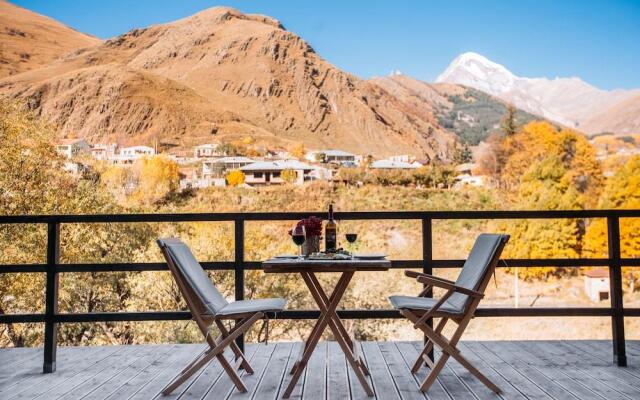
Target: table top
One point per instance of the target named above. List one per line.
(285, 265)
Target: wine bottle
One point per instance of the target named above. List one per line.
(330, 233)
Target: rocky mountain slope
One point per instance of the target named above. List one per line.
(224, 75)
(569, 101)
(471, 114)
(29, 40)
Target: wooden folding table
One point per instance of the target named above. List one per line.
(327, 305)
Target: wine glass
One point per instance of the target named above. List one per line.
(298, 235)
(351, 238)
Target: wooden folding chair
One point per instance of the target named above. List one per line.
(208, 308)
(458, 304)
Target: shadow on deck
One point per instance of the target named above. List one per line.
(531, 369)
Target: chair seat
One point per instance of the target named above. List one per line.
(422, 303)
(251, 306)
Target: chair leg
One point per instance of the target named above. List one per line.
(449, 349)
(435, 371)
(215, 351)
(427, 347)
(236, 350)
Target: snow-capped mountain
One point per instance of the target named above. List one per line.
(569, 101)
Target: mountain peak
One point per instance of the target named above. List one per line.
(569, 101)
(221, 14)
(475, 70)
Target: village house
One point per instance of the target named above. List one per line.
(218, 168)
(466, 177)
(128, 155)
(402, 158)
(69, 148)
(103, 151)
(332, 156)
(206, 151)
(271, 172)
(596, 284)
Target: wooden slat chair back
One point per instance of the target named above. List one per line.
(209, 307)
(458, 304)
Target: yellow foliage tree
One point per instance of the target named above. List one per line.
(289, 176)
(235, 178)
(158, 176)
(622, 191)
(298, 150)
(539, 140)
(33, 181)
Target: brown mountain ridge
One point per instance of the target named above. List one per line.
(29, 40)
(221, 74)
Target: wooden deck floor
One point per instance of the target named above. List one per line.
(524, 370)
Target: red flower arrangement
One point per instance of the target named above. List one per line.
(312, 226)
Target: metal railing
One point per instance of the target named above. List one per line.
(52, 268)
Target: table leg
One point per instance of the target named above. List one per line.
(336, 325)
(323, 321)
(338, 329)
(314, 287)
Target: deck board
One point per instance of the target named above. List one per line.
(523, 369)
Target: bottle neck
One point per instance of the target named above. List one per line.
(331, 212)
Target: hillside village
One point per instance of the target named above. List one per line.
(210, 164)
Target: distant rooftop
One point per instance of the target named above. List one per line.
(229, 160)
(277, 165)
(389, 164)
(334, 153)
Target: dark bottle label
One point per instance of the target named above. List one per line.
(330, 240)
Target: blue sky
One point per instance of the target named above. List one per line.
(596, 40)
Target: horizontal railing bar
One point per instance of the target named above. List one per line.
(314, 314)
(284, 216)
(257, 265)
(20, 318)
(22, 268)
(630, 262)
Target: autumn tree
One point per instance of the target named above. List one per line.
(157, 177)
(235, 177)
(32, 181)
(298, 150)
(289, 176)
(622, 191)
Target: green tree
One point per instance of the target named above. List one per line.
(462, 154)
(508, 123)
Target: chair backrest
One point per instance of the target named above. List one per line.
(478, 267)
(201, 295)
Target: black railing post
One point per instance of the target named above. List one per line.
(615, 282)
(51, 298)
(239, 268)
(427, 261)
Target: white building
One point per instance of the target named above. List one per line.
(217, 168)
(270, 172)
(128, 155)
(469, 180)
(331, 156)
(390, 164)
(206, 151)
(596, 284)
(69, 148)
(103, 151)
(137, 151)
(402, 158)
